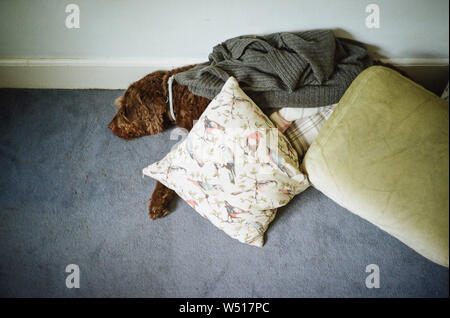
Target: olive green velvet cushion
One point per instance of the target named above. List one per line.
(384, 155)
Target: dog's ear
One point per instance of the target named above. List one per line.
(141, 110)
(118, 102)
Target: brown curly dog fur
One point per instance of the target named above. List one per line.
(144, 110)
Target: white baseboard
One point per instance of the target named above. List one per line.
(119, 73)
(415, 62)
(80, 73)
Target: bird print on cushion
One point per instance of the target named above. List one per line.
(234, 168)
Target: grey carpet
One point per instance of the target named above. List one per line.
(71, 192)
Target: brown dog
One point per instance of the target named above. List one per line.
(144, 110)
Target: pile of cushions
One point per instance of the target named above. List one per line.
(382, 153)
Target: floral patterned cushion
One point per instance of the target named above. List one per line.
(234, 168)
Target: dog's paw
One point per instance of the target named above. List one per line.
(160, 201)
(155, 213)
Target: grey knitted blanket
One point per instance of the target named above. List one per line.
(303, 69)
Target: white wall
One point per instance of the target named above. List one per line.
(166, 32)
(189, 28)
